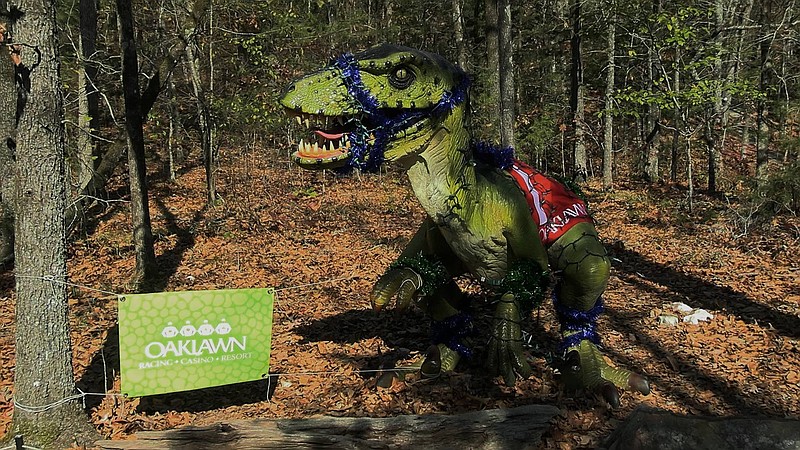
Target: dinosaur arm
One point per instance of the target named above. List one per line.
(427, 264)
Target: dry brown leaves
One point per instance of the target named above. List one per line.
(322, 241)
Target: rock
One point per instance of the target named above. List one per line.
(652, 429)
(668, 319)
(681, 307)
(699, 315)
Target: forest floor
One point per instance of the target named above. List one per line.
(322, 241)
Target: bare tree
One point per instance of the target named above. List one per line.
(87, 158)
(46, 409)
(140, 213)
(577, 93)
(458, 34)
(651, 168)
(202, 95)
(506, 75)
(493, 60)
(608, 111)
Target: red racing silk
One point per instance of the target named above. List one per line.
(554, 208)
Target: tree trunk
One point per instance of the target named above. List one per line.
(172, 149)
(714, 126)
(689, 174)
(140, 211)
(608, 113)
(46, 409)
(204, 114)
(8, 125)
(652, 171)
(458, 34)
(201, 99)
(86, 159)
(677, 122)
(493, 62)
(577, 95)
(212, 120)
(762, 127)
(506, 76)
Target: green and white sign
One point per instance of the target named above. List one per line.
(178, 341)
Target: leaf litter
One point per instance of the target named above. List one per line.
(322, 241)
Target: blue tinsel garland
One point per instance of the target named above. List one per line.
(582, 324)
(366, 157)
(493, 155)
(452, 330)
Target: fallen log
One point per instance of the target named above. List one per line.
(652, 429)
(516, 428)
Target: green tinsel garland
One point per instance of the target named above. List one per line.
(527, 281)
(433, 273)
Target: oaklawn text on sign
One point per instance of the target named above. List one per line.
(231, 344)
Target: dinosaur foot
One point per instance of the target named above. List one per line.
(585, 369)
(437, 360)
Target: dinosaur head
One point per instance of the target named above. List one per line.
(381, 104)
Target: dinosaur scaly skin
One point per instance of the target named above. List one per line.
(410, 107)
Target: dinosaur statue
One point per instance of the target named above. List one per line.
(488, 214)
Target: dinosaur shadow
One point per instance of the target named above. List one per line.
(351, 326)
(410, 331)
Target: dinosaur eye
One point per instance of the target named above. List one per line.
(401, 78)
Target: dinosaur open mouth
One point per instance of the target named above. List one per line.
(330, 140)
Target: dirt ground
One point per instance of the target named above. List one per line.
(322, 241)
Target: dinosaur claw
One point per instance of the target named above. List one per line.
(639, 383)
(432, 366)
(610, 393)
(386, 379)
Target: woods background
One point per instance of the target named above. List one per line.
(674, 99)
(703, 93)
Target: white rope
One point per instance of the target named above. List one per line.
(82, 395)
(31, 409)
(53, 279)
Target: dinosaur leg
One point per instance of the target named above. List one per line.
(582, 265)
(423, 273)
(450, 326)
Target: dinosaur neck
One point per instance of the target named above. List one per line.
(443, 175)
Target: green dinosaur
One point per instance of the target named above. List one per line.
(489, 215)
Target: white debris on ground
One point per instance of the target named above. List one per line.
(690, 315)
(668, 319)
(681, 307)
(699, 315)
